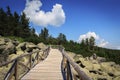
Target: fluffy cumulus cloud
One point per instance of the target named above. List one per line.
(100, 42)
(103, 43)
(55, 17)
(88, 35)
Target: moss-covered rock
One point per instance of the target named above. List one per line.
(2, 41)
(14, 49)
(21, 46)
(41, 46)
(98, 69)
(117, 78)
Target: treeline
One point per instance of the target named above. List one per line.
(17, 26)
(86, 49)
(12, 24)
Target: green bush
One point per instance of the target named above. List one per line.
(16, 38)
(32, 39)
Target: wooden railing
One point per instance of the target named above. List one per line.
(13, 71)
(67, 63)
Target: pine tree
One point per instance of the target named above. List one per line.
(61, 38)
(24, 24)
(44, 34)
(10, 27)
(92, 42)
(8, 11)
(3, 20)
(16, 24)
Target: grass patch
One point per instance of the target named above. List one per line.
(16, 38)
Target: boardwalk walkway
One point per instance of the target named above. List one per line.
(49, 69)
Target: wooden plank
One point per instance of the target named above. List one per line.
(49, 69)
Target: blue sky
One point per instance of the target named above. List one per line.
(82, 18)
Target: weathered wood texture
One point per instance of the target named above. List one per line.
(49, 69)
(82, 75)
(13, 71)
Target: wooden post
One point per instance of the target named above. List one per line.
(30, 60)
(48, 50)
(46, 53)
(16, 69)
(37, 57)
(69, 73)
(68, 76)
(82, 74)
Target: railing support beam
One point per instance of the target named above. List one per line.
(69, 73)
(16, 70)
(13, 71)
(30, 60)
(82, 75)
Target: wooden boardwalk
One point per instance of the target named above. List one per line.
(49, 69)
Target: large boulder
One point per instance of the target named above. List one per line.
(117, 67)
(88, 65)
(98, 68)
(117, 78)
(101, 59)
(20, 52)
(107, 66)
(6, 48)
(15, 42)
(2, 48)
(95, 57)
(85, 64)
(24, 60)
(7, 40)
(26, 46)
(10, 48)
(30, 47)
(12, 56)
(77, 58)
(72, 55)
(2, 41)
(21, 46)
(3, 71)
(41, 46)
(2, 58)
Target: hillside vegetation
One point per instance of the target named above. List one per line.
(16, 26)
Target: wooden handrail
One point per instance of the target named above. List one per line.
(14, 68)
(82, 75)
(69, 63)
(26, 54)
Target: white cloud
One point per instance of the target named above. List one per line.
(100, 42)
(88, 35)
(37, 33)
(113, 46)
(103, 43)
(55, 17)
